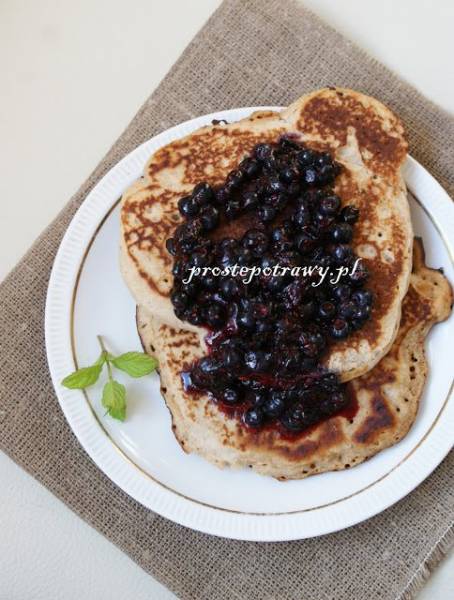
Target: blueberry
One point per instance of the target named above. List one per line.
(305, 157)
(325, 175)
(292, 295)
(350, 214)
(188, 206)
(230, 396)
(228, 258)
(347, 310)
(337, 400)
(279, 233)
(244, 256)
(254, 417)
(228, 244)
(330, 205)
(275, 283)
(282, 246)
(214, 315)
(310, 349)
(246, 320)
(191, 288)
(362, 313)
(278, 200)
(199, 258)
(274, 185)
(256, 240)
(178, 269)
(339, 328)
(267, 213)
(316, 337)
(342, 292)
(289, 360)
(287, 175)
(301, 216)
(296, 419)
(323, 221)
(209, 217)
(181, 233)
(202, 193)
(232, 208)
(262, 151)
(245, 304)
(229, 288)
(342, 253)
(268, 262)
(256, 397)
(196, 378)
(362, 297)
(305, 241)
(323, 159)
(355, 324)
(327, 310)
(310, 176)
(332, 403)
(250, 200)
(250, 167)
(234, 178)
(187, 245)
(171, 246)
(221, 196)
(275, 404)
(342, 233)
(270, 163)
(193, 316)
(257, 360)
(193, 228)
(208, 365)
(179, 299)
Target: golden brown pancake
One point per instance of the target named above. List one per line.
(360, 132)
(384, 402)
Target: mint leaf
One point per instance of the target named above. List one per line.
(83, 378)
(136, 364)
(114, 399)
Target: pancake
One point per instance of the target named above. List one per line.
(361, 133)
(383, 405)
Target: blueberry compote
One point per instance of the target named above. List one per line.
(267, 337)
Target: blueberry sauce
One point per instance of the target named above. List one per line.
(267, 338)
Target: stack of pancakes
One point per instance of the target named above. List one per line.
(383, 362)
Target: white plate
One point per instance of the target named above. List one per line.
(87, 296)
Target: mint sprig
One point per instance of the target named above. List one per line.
(135, 364)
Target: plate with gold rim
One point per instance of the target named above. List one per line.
(87, 296)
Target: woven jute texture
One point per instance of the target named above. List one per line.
(249, 53)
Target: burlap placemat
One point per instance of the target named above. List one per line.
(249, 53)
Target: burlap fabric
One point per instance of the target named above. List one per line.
(249, 53)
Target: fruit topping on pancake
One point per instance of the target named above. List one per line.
(264, 262)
